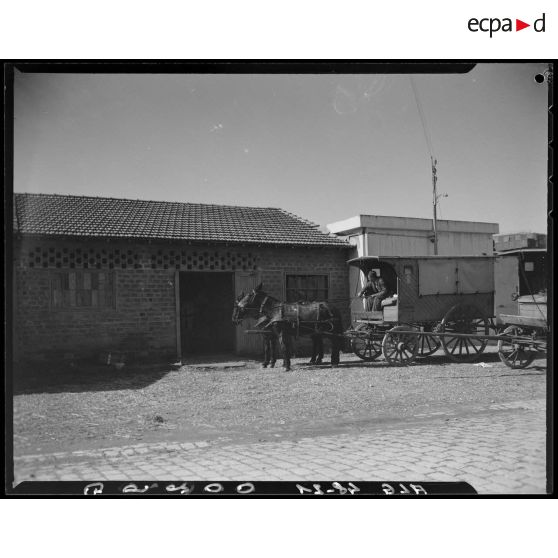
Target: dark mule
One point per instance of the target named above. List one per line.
(286, 320)
(270, 348)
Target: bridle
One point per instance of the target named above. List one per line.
(249, 304)
(264, 302)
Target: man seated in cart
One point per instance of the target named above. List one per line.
(374, 292)
(369, 289)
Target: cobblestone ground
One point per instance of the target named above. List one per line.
(497, 448)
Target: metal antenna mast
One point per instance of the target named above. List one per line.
(435, 204)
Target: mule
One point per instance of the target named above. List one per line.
(270, 348)
(284, 321)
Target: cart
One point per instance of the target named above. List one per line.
(437, 301)
(525, 335)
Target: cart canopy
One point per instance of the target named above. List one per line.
(438, 275)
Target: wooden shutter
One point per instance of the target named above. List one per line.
(246, 343)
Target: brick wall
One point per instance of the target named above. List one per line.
(275, 264)
(143, 315)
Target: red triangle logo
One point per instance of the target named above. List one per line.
(519, 25)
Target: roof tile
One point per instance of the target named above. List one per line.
(61, 215)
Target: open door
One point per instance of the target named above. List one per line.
(206, 307)
(506, 281)
(246, 343)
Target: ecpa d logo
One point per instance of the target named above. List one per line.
(493, 25)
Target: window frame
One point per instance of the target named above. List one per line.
(109, 273)
(312, 273)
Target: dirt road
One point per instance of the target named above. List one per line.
(93, 406)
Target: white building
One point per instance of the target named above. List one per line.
(377, 235)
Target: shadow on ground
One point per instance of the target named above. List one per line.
(83, 377)
(490, 359)
(435, 360)
(77, 377)
(442, 359)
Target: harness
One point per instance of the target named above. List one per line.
(263, 304)
(290, 313)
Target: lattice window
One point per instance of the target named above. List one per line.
(119, 258)
(205, 260)
(82, 289)
(307, 287)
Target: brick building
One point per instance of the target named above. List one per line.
(95, 275)
(519, 241)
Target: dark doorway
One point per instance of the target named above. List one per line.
(532, 273)
(206, 305)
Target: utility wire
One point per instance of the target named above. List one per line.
(433, 161)
(423, 120)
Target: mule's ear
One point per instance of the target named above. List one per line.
(259, 287)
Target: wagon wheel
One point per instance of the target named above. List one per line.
(429, 344)
(366, 345)
(400, 348)
(464, 318)
(512, 353)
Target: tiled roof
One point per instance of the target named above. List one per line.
(84, 216)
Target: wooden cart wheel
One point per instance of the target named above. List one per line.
(364, 343)
(512, 353)
(429, 344)
(400, 348)
(464, 318)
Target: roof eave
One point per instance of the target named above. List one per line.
(192, 241)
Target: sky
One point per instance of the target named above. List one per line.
(325, 147)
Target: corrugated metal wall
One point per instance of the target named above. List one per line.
(419, 243)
